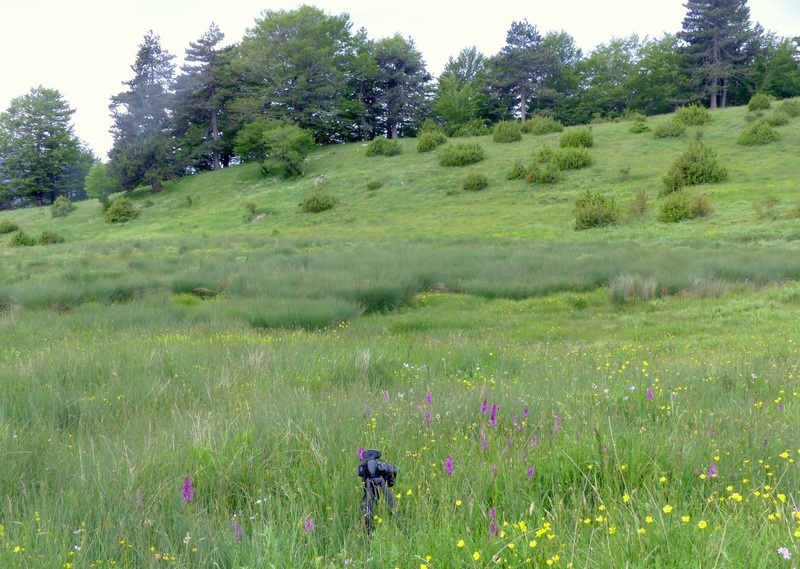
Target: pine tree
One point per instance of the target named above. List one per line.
(718, 46)
(40, 156)
(143, 151)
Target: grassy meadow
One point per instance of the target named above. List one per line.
(193, 388)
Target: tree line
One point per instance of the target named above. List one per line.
(304, 77)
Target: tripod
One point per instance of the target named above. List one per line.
(372, 492)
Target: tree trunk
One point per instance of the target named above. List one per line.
(724, 100)
(523, 102)
(215, 137)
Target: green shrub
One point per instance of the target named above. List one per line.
(517, 171)
(701, 206)
(760, 102)
(675, 207)
(382, 146)
(430, 125)
(635, 116)
(7, 227)
(318, 201)
(594, 209)
(570, 158)
(778, 117)
(750, 118)
(577, 137)
(121, 210)
(542, 175)
(693, 115)
(760, 132)
(374, 184)
(507, 131)
(791, 107)
(545, 153)
(624, 173)
(22, 239)
(61, 207)
(539, 125)
(639, 206)
(697, 165)
(765, 209)
(50, 238)
(475, 181)
(669, 129)
(475, 127)
(638, 127)
(429, 140)
(250, 208)
(461, 154)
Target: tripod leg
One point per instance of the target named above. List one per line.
(367, 506)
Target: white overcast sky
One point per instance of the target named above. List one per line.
(85, 48)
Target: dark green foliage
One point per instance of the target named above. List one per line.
(507, 131)
(639, 127)
(374, 184)
(474, 127)
(429, 140)
(701, 206)
(461, 154)
(121, 210)
(594, 209)
(7, 226)
(382, 146)
(570, 158)
(760, 102)
(50, 238)
(791, 107)
(545, 153)
(286, 148)
(693, 115)
(62, 207)
(543, 175)
(538, 125)
(778, 117)
(517, 171)
(669, 129)
(639, 205)
(760, 132)
(317, 201)
(577, 137)
(697, 165)
(675, 207)
(475, 181)
(22, 239)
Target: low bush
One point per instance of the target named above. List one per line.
(374, 184)
(318, 201)
(778, 117)
(429, 140)
(594, 209)
(791, 107)
(461, 154)
(7, 226)
(475, 127)
(507, 131)
(701, 206)
(50, 238)
(697, 165)
(639, 205)
(542, 175)
(577, 137)
(760, 102)
(750, 118)
(61, 207)
(539, 125)
(570, 158)
(675, 207)
(693, 115)
(760, 132)
(766, 208)
(639, 127)
(22, 239)
(669, 129)
(545, 153)
(475, 181)
(517, 171)
(382, 146)
(121, 210)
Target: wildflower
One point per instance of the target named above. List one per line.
(557, 422)
(484, 407)
(784, 552)
(534, 440)
(476, 556)
(460, 543)
(187, 492)
(428, 398)
(494, 471)
(458, 503)
(667, 509)
(685, 519)
(309, 525)
(532, 543)
(237, 531)
(361, 453)
(427, 419)
(448, 465)
(702, 524)
(626, 498)
(491, 513)
(649, 394)
(531, 471)
(712, 471)
(493, 417)
(525, 413)
(649, 519)
(386, 395)
(484, 442)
